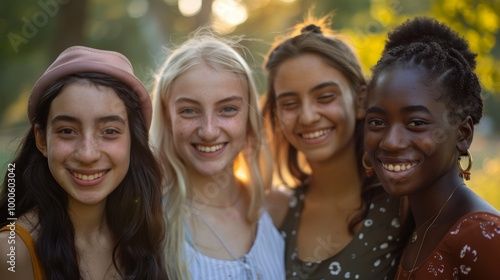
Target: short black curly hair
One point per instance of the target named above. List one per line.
(447, 58)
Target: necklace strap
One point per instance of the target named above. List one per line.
(427, 229)
(221, 240)
(231, 204)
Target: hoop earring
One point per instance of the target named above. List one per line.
(368, 169)
(465, 173)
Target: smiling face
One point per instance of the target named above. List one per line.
(208, 117)
(87, 142)
(316, 107)
(408, 133)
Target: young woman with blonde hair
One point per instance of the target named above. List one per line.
(207, 130)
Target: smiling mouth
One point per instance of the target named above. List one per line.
(396, 167)
(88, 177)
(209, 149)
(316, 134)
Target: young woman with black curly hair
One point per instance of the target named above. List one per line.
(424, 101)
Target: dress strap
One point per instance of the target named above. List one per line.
(28, 240)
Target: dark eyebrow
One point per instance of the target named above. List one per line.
(374, 110)
(324, 84)
(407, 109)
(415, 108)
(64, 118)
(111, 118)
(105, 119)
(315, 88)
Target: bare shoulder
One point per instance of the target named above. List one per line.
(475, 203)
(277, 199)
(15, 261)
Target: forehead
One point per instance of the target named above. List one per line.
(312, 70)
(207, 85)
(410, 84)
(85, 100)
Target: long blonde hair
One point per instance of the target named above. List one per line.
(203, 47)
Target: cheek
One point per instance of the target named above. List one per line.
(58, 151)
(183, 129)
(119, 151)
(370, 141)
(428, 146)
(286, 120)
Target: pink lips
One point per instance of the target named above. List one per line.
(88, 178)
(209, 150)
(314, 137)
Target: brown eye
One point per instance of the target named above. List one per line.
(66, 131)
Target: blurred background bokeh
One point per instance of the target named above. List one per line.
(33, 33)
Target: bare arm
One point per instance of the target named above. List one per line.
(277, 200)
(15, 261)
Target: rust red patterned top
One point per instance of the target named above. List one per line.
(470, 250)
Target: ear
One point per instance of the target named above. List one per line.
(465, 135)
(41, 142)
(361, 102)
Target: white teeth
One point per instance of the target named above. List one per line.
(316, 134)
(88, 177)
(209, 149)
(398, 166)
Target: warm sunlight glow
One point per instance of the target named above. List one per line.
(230, 11)
(189, 7)
(287, 1)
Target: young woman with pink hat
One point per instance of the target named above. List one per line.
(82, 198)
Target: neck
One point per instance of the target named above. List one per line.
(88, 219)
(427, 203)
(336, 177)
(219, 190)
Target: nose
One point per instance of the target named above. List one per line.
(87, 150)
(394, 139)
(209, 129)
(308, 114)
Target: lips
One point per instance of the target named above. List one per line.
(397, 167)
(315, 134)
(209, 149)
(88, 177)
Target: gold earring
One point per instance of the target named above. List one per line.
(368, 169)
(465, 173)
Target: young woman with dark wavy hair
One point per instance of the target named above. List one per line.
(82, 197)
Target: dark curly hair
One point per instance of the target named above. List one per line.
(446, 57)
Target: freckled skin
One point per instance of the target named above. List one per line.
(83, 144)
(209, 112)
(303, 105)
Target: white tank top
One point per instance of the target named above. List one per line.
(264, 261)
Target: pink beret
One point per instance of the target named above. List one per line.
(78, 59)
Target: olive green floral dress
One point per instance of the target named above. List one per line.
(373, 253)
